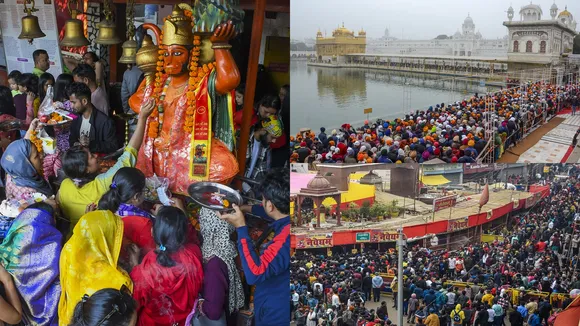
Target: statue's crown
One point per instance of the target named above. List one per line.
(177, 29)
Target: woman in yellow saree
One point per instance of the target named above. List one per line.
(88, 261)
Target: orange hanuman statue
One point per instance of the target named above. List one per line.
(190, 136)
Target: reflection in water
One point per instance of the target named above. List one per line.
(330, 97)
(341, 84)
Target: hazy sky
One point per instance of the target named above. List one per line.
(410, 19)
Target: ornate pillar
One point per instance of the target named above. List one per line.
(299, 200)
(317, 202)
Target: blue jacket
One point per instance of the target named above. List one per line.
(535, 320)
(269, 272)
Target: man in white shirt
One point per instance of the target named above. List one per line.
(377, 285)
(451, 298)
(295, 302)
(451, 267)
(491, 314)
(335, 301)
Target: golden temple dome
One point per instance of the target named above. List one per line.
(342, 31)
(362, 32)
(565, 13)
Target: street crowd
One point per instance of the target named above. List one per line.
(523, 276)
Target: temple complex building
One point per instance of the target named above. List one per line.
(465, 43)
(537, 42)
(343, 41)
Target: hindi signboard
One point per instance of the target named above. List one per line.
(444, 203)
(458, 224)
(383, 236)
(363, 236)
(315, 241)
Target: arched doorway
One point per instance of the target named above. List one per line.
(316, 191)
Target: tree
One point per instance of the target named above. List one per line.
(378, 211)
(395, 210)
(442, 37)
(365, 209)
(300, 46)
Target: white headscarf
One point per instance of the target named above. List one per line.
(216, 243)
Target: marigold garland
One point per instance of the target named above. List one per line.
(36, 141)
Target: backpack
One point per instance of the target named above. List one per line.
(456, 318)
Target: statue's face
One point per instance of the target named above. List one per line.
(176, 59)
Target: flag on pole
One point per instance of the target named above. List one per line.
(484, 196)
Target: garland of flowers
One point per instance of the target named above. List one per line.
(196, 74)
(36, 141)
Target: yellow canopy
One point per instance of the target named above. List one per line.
(434, 180)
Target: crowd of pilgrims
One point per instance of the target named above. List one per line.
(539, 252)
(86, 248)
(453, 132)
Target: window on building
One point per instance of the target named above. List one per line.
(516, 46)
(529, 46)
(543, 47)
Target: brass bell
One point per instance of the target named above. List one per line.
(30, 28)
(107, 33)
(74, 34)
(129, 52)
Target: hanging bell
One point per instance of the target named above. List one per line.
(30, 28)
(129, 52)
(74, 34)
(107, 33)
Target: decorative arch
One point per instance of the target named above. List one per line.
(516, 46)
(529, 46)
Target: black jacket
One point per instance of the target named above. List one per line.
(102, 138)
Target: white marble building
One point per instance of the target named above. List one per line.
(467, 42)
(535, 42)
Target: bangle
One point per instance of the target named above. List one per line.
(221, 46)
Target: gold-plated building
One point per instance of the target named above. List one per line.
(343, 41)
